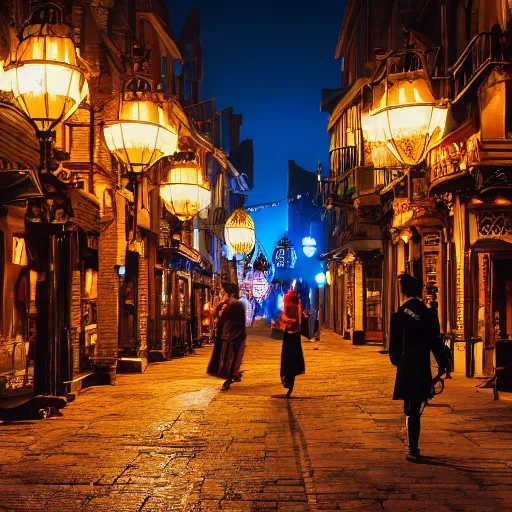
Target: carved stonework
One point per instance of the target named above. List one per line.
(494, 223)
(446, 200)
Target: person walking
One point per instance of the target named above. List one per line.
(230, 343)
(414, 334)
(292, 358)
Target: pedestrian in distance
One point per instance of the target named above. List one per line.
(414, 334)
(292, 358)
(230, 339)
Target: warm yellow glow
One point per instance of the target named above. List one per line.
(502, 201)
(141, 136)
(239, 232)
(185, 192)
(328, 277)
(405, 235)
(5, 81)
(406, 118)
(44, 75)
(349, 258)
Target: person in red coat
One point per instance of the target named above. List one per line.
(414, 334)
(292, 358)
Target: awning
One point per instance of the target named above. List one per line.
(357, 245)
(19, 156)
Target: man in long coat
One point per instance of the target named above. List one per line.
(414, 334)
(230, 343)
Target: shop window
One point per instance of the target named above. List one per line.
(19, 253)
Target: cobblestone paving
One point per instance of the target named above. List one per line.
(170, 440)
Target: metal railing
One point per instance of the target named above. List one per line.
(484, 49)
(342, 160)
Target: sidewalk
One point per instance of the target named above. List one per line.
(170, 440)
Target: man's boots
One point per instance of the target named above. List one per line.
(413, 433)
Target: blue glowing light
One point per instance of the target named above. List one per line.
(320, 279)
(309, 246)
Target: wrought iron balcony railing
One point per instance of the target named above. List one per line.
(342, 160)
(485, 49)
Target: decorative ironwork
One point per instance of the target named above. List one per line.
(370, 213)
(485, 49)
(494, 223)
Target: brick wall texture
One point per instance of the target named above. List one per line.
(112, 251)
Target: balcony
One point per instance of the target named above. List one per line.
(485, 49)
(342, 160)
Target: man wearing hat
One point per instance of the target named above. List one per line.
(414, 334)
(230, 340)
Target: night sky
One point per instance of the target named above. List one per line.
(270, 61)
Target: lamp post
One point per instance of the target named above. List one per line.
(405, 116)
(183, 188)
(239, 232)
(47, 79)
(143, 134)
(46, 75)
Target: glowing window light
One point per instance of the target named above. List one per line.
(309, 246)
(185, 192)
(328, 277)
(143, 134)
(239, 232)
(44, 70)
(406, 117)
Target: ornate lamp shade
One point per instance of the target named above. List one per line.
(143, 134)
(406, 117)
(284, 256)
(309, 246)
(185, 192)
(44, 71)
(239, 232)
(260, 286)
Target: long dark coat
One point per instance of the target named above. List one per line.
(292, 358)
(414, 333)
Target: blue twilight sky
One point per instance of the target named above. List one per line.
(270, 60)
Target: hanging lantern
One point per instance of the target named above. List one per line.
(284, 256)
(143, 133)
(309, 246)
(184, 191)
(260, 286)
(239, 232)
(406, 117)
(44, 72)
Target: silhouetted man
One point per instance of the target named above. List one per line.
(414, 333)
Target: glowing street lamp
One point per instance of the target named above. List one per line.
(406, 117)
(309, 246)
(44, 72)
(184, 191)
(239, 232)
(142, 135)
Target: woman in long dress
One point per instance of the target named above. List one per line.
(292, 358)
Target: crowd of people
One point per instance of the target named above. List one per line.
(415, 334)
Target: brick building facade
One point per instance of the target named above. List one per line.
(103, 307)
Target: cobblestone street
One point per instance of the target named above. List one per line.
(169, 439)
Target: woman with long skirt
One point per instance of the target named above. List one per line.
(292, 358)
